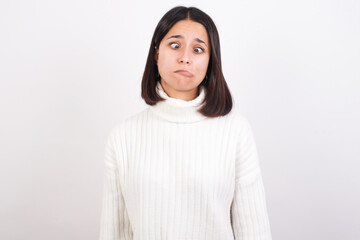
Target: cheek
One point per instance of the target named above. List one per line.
(164, 60)
(202, 65)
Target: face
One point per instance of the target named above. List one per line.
(183, 58)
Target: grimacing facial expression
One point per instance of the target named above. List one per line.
(183, 56)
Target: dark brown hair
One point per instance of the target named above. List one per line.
(218, 100)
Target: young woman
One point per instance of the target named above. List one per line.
(186, 167)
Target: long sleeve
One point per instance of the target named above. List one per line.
(249, 217)
(115, 224)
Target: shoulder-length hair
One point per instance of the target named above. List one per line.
(218, 100)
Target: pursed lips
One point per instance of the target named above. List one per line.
(184, 73)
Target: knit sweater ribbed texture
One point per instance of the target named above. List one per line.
(173, 174)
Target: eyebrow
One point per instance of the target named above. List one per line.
(180, 36)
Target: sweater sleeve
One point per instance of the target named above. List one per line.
(249, 217)
(114, 224)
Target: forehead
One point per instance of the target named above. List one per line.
(188, 29)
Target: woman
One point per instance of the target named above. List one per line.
(186, 167)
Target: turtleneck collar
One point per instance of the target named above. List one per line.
(178, 110)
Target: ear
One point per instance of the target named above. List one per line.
(156, 57)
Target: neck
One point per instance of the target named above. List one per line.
(178, 110)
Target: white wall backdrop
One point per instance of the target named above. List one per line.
(71, 69)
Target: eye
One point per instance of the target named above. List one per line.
(198, 50)
(174, 45)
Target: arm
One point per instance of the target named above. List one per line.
(115, 224)
(249, 215)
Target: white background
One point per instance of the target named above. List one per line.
(70, 70)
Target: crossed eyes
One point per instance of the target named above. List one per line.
(175, 45)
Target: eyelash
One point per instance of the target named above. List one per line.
(202, 50)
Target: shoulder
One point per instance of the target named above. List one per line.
(126, 125)
(240, 121)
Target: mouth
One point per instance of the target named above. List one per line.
(184, 73)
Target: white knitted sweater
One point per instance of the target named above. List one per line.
(173, 174)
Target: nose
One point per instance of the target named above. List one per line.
(185, 58)
(184, 61)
